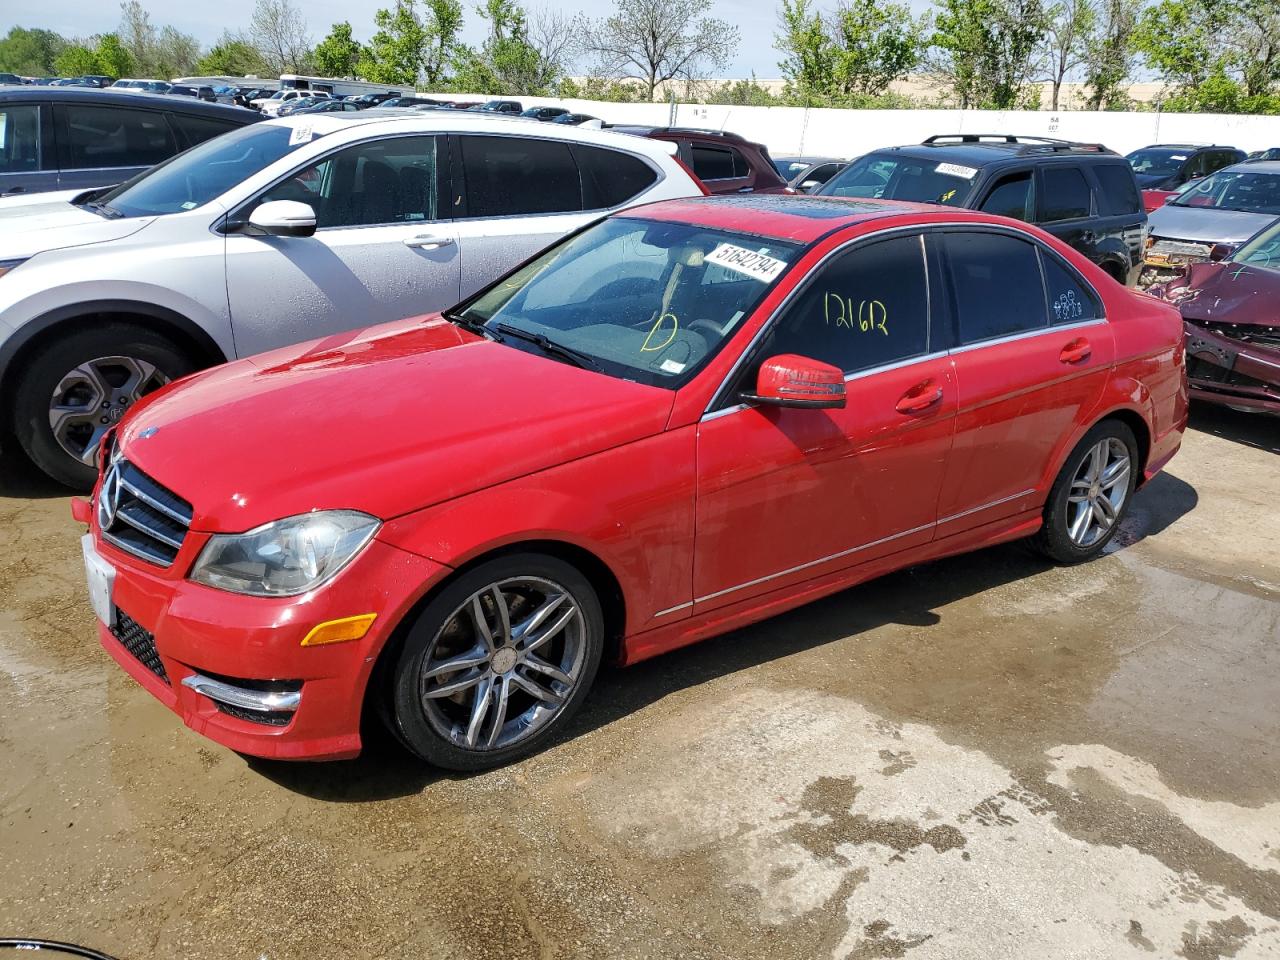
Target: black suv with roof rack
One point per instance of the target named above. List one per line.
(1082, 193)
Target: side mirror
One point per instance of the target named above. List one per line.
(284, 218)
(1220, 251)
(790, 380)
(809, 186)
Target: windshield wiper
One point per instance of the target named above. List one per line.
(466, 323)
(103, 210)
(549, 346)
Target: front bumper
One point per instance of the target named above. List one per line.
(217, 659)
(1235, 373)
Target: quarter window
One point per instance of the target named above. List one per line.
(1066, 195)
(1011, 197)
(610, 178)
(20, 138)
(865, 308)
(996, 283)
(510, 176)
(101, 136)
(383, 181)
(1070, 300)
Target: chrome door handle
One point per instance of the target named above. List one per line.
(426, 241)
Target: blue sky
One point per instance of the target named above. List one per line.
(756, 21)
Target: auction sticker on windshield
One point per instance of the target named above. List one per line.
(956, 170)
(300, 134)
(751, 263)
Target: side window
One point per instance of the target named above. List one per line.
(1119, 189)
(199, 129)
(383, 181)
(510, 176)
(823, 173)
(1066, 194)
(865, 308)
(20, 138)
(1071, 300)
(995, 279)
(1222, 158)
(610, 178)
(102, 136)
(718, 163)
(1010, 197)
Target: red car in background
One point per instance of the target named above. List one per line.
(675, 422)
(1232, 313)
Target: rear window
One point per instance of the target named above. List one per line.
(1066, 195)
(610, 178)
(997, 285)
(1119, 189)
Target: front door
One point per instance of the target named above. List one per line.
(1031, 355)
(788, 494)
(380, 251)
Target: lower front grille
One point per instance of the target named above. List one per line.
(140, 642)
(269, 718)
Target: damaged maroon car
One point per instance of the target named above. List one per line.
(1231, 311)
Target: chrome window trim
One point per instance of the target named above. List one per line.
(1026, 335)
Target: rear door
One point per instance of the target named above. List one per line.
(722, 168)
(1065, 206)
(1121, 218)
(101, 144)
(383, 248)
(1031, 358)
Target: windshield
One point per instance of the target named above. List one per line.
(886, 177)
(1157, 163)
(1261, 250)
(192, 179)
(1231, 190)
(643, 300)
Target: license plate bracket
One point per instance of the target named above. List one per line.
(101, 577)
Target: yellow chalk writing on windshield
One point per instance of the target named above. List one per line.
(648, 346)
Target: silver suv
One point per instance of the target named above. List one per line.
(279, 232)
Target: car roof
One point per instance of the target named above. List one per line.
(458, 121)
(1253, 166)
(121, 98)
(981, 153)
(800, 218)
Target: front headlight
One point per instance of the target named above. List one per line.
(286, 557)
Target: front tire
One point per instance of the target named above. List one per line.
(1091, 495)
(77, 388)
(497, 662)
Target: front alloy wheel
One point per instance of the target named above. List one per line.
(501, 657)
(90, 399)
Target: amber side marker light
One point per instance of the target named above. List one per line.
(339, 631)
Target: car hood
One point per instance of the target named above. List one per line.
(1233, 293)
(386, 420)
(1206, 224)
(1148, 180)
(49, 221)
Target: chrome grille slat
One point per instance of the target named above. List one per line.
(139, 516)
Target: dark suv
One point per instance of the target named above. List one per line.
(1084, 194)
(72, 138)
(724, 162)
(1167, 166)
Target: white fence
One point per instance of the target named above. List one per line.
(850, 133)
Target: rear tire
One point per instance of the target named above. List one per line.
(1091, 495)
(497, 662)
(86, 381)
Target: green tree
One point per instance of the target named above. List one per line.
(394, 55)
(507, 62)
(76, 60)
(231, 56)
(30, 52)
(875, 43)
(113, 59)
(655, 41)
(808, 63)
(984, 49)
(338, 54)
(1109, 53)
(1068, 27)
(1178, 40)
(441, 24)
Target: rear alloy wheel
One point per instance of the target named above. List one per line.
(501, 658)
(80, 386)
(1091, 494)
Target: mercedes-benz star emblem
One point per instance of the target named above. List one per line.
(109, 497)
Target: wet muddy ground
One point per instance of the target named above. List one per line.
(985, 757)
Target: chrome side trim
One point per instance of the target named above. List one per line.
(986, 506)
(814, 563)
(677, 607)
(1028, 335)
(896, 365)
(259, 700)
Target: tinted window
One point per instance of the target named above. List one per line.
(100, 136)
(384, 181)
(865, 308)
(610, 178)
(19, 138)
(996, 283)
(509, 176)
(1070, 299)
(717, 163)
(1066, 194)
(903, 178)
(1119, 189)
(199, 129)
(823, 173)
(1010, 197)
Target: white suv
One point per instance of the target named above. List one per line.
(270, 106)
(279, 232)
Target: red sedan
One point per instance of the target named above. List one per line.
(677, 421)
